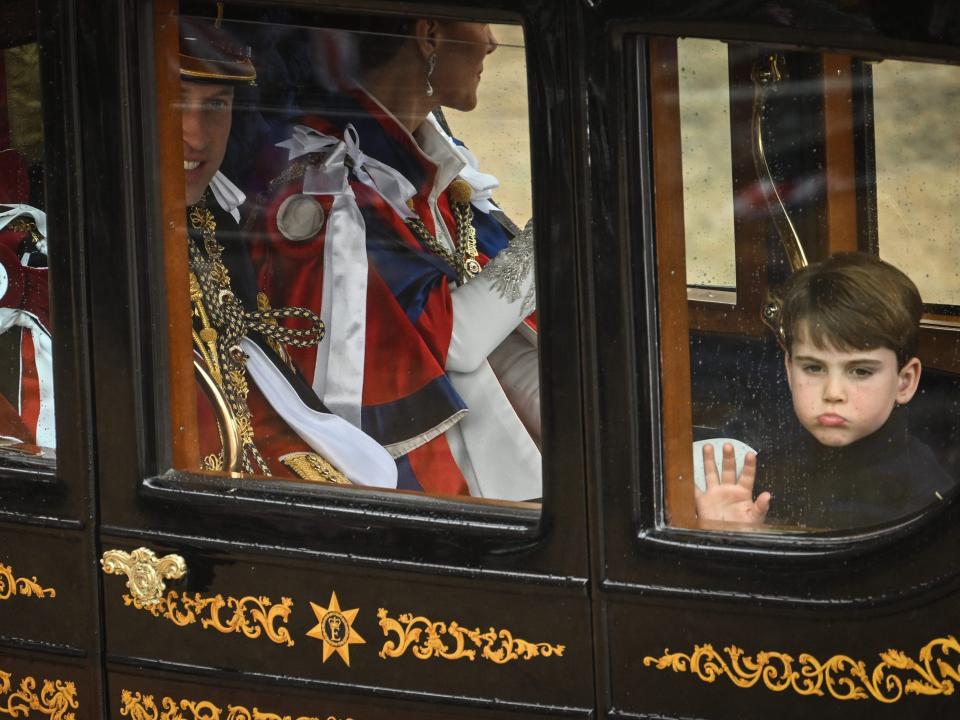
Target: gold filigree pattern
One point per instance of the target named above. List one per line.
(424, 639)
(249, 616)
(843, 677)
(138, 706)
(57, 699)
(11, 585)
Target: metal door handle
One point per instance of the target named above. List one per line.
(145, 572)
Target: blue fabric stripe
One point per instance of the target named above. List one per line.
(412, 415)
(406, 478)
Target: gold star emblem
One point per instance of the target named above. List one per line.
(335, 628)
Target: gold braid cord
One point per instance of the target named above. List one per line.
(425, 639)
(26, 224)
(57, 699)
(11, 585)
(844, 678)
(463, 258)
(221, 323)
(249, 616)
(138, 706)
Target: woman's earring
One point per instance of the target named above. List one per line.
(431, 64)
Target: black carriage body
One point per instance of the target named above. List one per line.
(594, 608)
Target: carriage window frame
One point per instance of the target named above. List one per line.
(58, 495)
(164, 480)
(644, 216)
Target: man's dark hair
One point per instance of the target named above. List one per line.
(853, 301)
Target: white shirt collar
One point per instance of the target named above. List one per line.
(227, 195)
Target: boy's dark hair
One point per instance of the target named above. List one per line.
(853, 301)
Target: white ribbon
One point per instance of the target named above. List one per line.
(482, 184)
(15, 211)
(351, 451)
(227, 195)
(338, 374)
(43, 350)
(390, 184)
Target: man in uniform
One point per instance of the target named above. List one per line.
(269, 417)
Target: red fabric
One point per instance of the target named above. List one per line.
(291, 272)
(270, 433)
(401, 357)
(436, 470)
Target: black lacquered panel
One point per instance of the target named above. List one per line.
(682, 659)
(477, 641)
(39, 685)
(134, 693)
(43, 592)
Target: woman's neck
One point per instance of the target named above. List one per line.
(404, 97)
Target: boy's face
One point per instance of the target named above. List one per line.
(841, 397)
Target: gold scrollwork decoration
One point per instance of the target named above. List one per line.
(425, 639)
(57, 699)
(145, 571)
(843, 677)
(138, 706)
(11, 585)
(249, 616)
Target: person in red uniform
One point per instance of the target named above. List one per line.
(269, 416)
(384, 226)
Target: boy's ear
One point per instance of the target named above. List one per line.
(786, 365)
(908, 380)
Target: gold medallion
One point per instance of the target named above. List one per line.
(335, 629)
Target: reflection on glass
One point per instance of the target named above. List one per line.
(834, 419)
(26, 362)
(363, 311)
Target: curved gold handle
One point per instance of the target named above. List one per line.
(766, 73)
(229, 434)
(145, 572)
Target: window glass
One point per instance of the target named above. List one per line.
(842, 414)
(359, 252)
(704, 91)
(26, 372)
(917, 180)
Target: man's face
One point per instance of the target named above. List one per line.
(841, 397)
(207, 111)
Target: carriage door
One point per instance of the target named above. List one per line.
(253, 564)
(748, 158)
(49, 656)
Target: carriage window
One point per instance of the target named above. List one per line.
(355, 302)
(27, 430)
(839, 412)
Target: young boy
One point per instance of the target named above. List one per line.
(850, 330)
